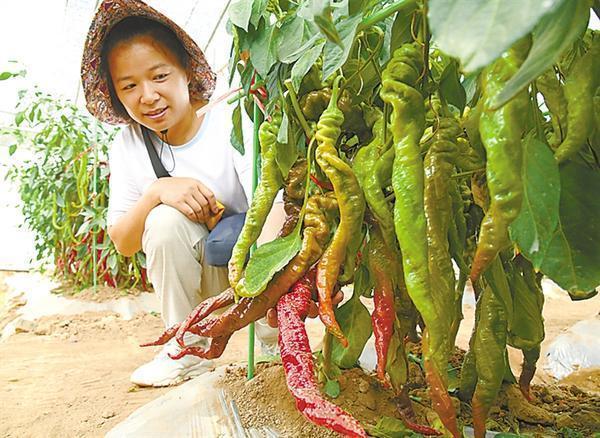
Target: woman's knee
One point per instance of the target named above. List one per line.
(164, 224)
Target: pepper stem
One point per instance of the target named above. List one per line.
(334, 94)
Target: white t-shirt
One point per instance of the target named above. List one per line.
(208, 157)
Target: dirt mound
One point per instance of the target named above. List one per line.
(266, 402)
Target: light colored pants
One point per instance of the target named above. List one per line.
(174, 248)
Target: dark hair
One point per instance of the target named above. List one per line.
(128, 29)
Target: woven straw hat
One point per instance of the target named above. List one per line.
(95, 87)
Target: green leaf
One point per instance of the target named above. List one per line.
(240, 12)
(282, 133)
(258, 11)
(237, 135)
(533, 229)
(325, 23)
(261, 49)
(389, 427)
(303, 65)
(332, 388)
(266, 261)
(450, 87)
(335, 56)
(572, 259)
(355, 321)
(469, 83)
(285, 45)
(553, 35)
(309, 9)
(12, 149)
(356, 6)
(477, 32)
(112, 262)
(19, 117)
(287, 150)
(315, 39)
(401, 26)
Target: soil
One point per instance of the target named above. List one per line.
(69, 375)
(553, 406)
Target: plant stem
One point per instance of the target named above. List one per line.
(371, 57)
(385, 12)
(307, 131)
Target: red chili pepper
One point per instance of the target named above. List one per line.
(383, 321)
(297, 360)
(144, 277)
(322, 184)
(419, 428)
(205, 308)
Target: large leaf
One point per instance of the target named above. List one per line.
(310, 42)
(285, 45)
(266, 261)
(355, 321)
(261, 49)
(450, 87)
(240, 12)
(237, 134)
(258, 11)
(324, 21)
(478, 31)
(572, 259)
(552, 36)
(335, 56)
(533, 229)
(303, 65)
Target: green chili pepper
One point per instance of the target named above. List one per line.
(407, 125)
(554, 98)
(365, 168)
(314, 103)
(489, 344)
(579, 92)
(501, 132)
(439, 167)
(262, 201)
(351, 206)
(527, 326)
(468, 159)
(293, 196)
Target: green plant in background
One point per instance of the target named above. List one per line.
(63, 184)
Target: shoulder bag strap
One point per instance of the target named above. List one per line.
(157, 165)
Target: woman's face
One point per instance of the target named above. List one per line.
(152, 85)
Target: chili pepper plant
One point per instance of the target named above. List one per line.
(62, 177)
(421, 146)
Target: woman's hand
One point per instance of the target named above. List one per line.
(313, 311)
(188, 195)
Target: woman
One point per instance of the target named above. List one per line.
(141, 69)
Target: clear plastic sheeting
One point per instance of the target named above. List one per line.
(197, 408)
(577, 348)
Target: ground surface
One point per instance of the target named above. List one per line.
(68, 376)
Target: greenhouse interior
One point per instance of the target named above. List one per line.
(300, 218)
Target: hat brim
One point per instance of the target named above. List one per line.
(95, 86)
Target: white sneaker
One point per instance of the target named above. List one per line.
(164, 371)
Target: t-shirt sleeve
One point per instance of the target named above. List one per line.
(123, 192)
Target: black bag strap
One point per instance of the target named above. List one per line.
(157, 165)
